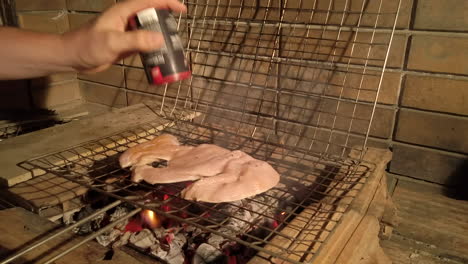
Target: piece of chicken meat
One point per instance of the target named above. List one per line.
(161, 147)
(242, 177)
(187, 165)
(221, 175)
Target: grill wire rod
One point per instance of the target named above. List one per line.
(64, 230)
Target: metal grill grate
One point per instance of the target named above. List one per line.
(314, 192)
(294, 83)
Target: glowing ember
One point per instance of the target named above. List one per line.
(169, 237)
(232, 260)
(183, 214)
(150, 219)
(278, 220)
(133, 226)
(166, 208)
(275, 224)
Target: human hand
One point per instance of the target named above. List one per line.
(100, 43)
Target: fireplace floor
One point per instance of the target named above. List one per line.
(433, 228)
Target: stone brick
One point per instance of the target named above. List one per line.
(89, 5)
(136, 80)
(103, 94)
(268, 10)
(14, 95)
(436, 94)
(49, 22)
(136, 98)
(439, 54)
(348, 83)
(315, 12)
(53, 79)
(433, 130)
(79, 19)
(133, 60)
(112, 76)
(441, 15)
(427, 164)
(53, 95)
(321, 140)
(343, 46)
(60, 77)
(39, 5)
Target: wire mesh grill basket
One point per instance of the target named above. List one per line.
(294, 83)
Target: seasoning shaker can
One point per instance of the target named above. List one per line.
(168, 64)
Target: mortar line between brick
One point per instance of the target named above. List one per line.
(433, 112)
(375, 68)
(432, 149)
(409, 178)
(437, 149)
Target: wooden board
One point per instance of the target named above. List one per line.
(361, 221)
(46, 190)
(57, 138)
(402, 250)
(20, 228)
(432, 226)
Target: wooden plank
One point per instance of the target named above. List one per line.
(406, 251)
(46, 190)
(428, 216)
(363, 247)
(54, 139)
(360, 207)
(20, 228)
(372, 167)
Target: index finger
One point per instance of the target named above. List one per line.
(128, 8)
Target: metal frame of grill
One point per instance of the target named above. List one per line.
(281, 80)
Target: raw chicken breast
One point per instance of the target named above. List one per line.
(161, 147)
(222, 175)
(243, 177)
(202, 161)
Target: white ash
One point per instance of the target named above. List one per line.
(123, 240)
(143, 239)
(151, 239)
(119, 213)
(240, 218)
(67, 217)
(206, 253)
(108, 238)
(91, 225)
(118, 232)
(174, 254)
(244, 215)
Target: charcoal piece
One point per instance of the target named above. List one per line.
(90, 226)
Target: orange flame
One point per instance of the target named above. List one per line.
(150, 219)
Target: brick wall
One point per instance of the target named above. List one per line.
(422, 109)
(431, 131)
(49, 16)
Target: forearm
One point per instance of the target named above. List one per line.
(92, 48)
(27, 54)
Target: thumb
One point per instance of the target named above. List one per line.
(139, 41)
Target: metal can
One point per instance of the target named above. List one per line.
(167, 64)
